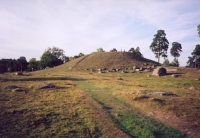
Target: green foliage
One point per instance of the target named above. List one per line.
(49, 60)
(176, 49)
(57, 52)
(132, 50)
(198, 29)
(195, 57)
(65, 59)
(22, 62)
(80, 54)
(114, 50)
(190, 62)
(99, 50)
(33, 64)
(166, 62)
(175, 63)
(160, 44)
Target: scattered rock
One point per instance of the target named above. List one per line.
(119, 79)
(162, 93)
(17, 90)
(174, 75)
(148, 76)
(11, 87)
(193, 88)
(137, 70)
(160, 71)
(123, 71)
(198, 79)
(18, 73)
(44, 86)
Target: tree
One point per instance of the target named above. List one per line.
(198, 29)
(176, 49)
(132, 50)
(114, 50)
(196, 54)
(166, 62)
(49, 60)
(33, 64)
(190, 62)
(80, 54)
(59, 53)
(160, 44)
(65, 59)
(175, 63)
(99, 50)
(22, 62)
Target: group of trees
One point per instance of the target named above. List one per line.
(194, 59)
(13, 64)
(51, 57)
(160, 45)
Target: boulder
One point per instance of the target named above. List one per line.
(119, 78)
(193, 88)
(17, 90)
(11, 87)
(174, 75)
(44, 86)
(160, 71)
(162, 93)
(18, 73)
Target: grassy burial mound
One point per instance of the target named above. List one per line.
(109, 60)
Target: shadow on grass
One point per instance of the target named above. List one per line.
(46, 79)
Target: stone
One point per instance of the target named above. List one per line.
(160, 71)
(17, 90)
(137, 70)
(119, 79)
(174, 75)
(11, 87)
(18, 73)
(162, 93)
(193, 88)
(44, 86)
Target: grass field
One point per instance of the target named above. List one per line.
(89, 104)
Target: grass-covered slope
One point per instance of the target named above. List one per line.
(109, 60)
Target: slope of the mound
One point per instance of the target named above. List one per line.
(110, 60)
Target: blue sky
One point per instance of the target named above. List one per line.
(28, 27)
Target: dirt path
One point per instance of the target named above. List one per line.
(80, 61)
(107, 127)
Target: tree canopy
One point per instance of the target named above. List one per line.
(198, 29)
(176, 49)
(160, 44)
(99, 50)
(49, 60)
(22, 62)
(59, 53)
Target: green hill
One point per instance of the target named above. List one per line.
(109, 60)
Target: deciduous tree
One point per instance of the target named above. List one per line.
(99, 50)
(22, 62)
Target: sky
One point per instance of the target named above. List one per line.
(28, 27)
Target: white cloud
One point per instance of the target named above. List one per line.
(29, 27)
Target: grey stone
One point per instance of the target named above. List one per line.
(162, 93)
(44, 86)
(18, 73)
(11, 87)
(160, 71)
(193, 88)
(174, 75)
(17, 90)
